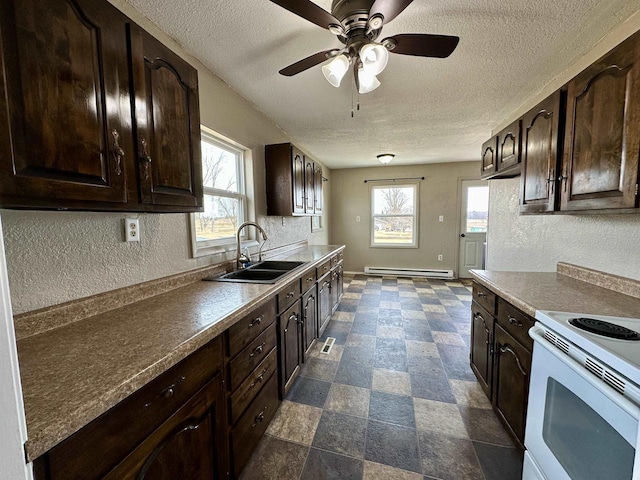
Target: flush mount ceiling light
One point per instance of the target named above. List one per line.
(385, 158)
(357, 24)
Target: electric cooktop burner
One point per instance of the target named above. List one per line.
(607, 329)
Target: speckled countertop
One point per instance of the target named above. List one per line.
(531, 291)
(73, 374)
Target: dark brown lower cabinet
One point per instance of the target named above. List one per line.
(289, 334)
(187, 445)
(482, 346)
(309, 320)
(501, 357)
(512, 370)
(324, 303)
(336, 286)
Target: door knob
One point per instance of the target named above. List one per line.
(462, 235)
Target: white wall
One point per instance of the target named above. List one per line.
(610, 243)
(55, 257)
(13, 431)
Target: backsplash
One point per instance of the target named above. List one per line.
(55, 257)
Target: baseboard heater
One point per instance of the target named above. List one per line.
(409, 272)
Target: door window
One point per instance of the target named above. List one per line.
(477, 209)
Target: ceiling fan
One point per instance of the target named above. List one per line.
(358, 24)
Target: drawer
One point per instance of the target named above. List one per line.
(485, 297)
(515, 322)
(308, 280)
(251, 356)
(288, 295)
(252, 385)
(252, 425)
(118, 431)
(247, 329)
(323, 268)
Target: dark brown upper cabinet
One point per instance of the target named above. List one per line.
(489, 158)
(602, 142)
(540, 155)
(67, 136)
(293, 187)
(167, 124)
(65, 120)
(508, 161)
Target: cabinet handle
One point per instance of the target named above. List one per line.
(563, 178)
(478, 316)
(310, 279)
(508, 349)
(118, 152)
(514, 321)
(482, 295)
(168, 392)
(256, 321)
(258, 350)
(258, 379)
(291, 294)
(552, 180)
(145, 158)
(259, 418)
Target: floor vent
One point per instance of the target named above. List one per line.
(328, 345)
(409, 272)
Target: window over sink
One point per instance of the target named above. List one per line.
(225, 195)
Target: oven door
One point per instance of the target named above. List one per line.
(578, 428)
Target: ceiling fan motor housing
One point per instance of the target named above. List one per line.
(354, 15)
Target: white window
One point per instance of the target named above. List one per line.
(394, 216)
(225, 197)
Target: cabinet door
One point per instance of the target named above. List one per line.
(482, 346)
(309, 320)
(324, 303)
(512, 368)
(290, 354)
(188, 445)
(298, 167)
(509, 147)
(168, 125)
(309, 187)
(540, 134)
(600, 165)
(317, 193)
(65, 127)
(489, 158)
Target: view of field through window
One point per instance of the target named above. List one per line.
(477, 209)
(394, 215)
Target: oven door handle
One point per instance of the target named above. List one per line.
(620, 400)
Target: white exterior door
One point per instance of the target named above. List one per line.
(474, 205)
(13, 430)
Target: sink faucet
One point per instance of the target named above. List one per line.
(240, 257)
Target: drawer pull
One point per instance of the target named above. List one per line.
(291, 294)
(259, 418)
(168, 392)
(508, 349)
(514, 321)
(258, 379)
(256, 321)
(258, 350)
(482, 295)
(310, 279)
(325, 268)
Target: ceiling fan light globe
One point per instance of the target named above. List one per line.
(374, 58)
(335, 70)
(367, 81)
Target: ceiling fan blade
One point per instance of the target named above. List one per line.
(309, 11)
(307, 63)
(424, 44)
(389, 9)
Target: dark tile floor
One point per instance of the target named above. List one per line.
(394, 399)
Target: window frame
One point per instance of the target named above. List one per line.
(222, 245)
(416, 202)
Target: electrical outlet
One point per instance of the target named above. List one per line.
(357, 218)
(132, 229)
(440, 258)
(441, 218)
(283, 222)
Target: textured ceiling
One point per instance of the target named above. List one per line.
(427, 110)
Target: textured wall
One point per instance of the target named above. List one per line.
(438, 196)
(55, 257)
(537, 242)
